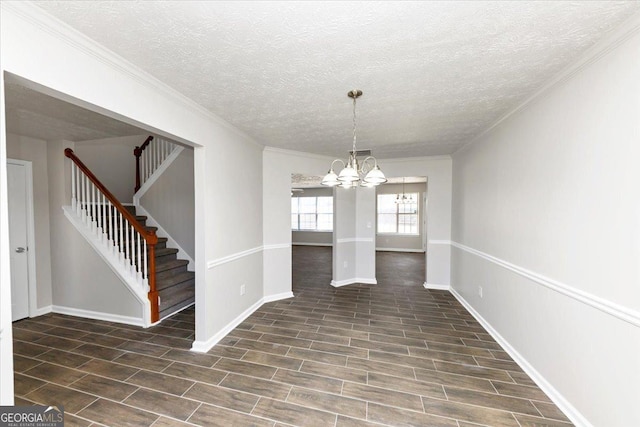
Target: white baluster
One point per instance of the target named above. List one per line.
(133, 252)
(145, 266)
(94, 208)
(126, 241)
(73, 186)
(121, 241)
(139, 257)
(84, 198)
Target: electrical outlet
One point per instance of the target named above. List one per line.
(242, 289)
(480, 291)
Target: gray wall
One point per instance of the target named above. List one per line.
(403, 242)
(171, 201)
(545, 220)
(112, 161)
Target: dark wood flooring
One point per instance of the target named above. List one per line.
(390, 354)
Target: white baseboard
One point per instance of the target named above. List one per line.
(339, 283)
(205, 346)
(567, 408)
(41, 311)
(277, 297)
(419, 251)
(436, 286)
(311, 244)
(127, 320)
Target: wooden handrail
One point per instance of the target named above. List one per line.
(148, 235)
(138, 152)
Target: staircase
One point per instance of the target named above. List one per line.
(175, 285)
(142, 260)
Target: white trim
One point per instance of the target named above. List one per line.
(624, 313)
(171, 242)
(602, 48)
(565, 406)
(400, 250)
(79, 41)
(157, 173)
(216, 262)
(436, 286)
(112, 261)
(340, 283)
(42, 311)
(416, 159)
(270, 149)
(438, 242)
(205, 346)
(31, 240)
(276, 246)
(89, 314)
(277, 297)
(311, 244)
(355, 239)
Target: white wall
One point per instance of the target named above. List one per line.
(171, 201)
(35, 151)
(320, 238)
(545, 219)
(75, 69)
(112, 161)
(406, 242)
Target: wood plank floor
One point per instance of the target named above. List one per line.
(390, 354)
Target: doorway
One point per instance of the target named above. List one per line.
(21, 238)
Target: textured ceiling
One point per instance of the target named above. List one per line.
(37, 115)
(434, 74)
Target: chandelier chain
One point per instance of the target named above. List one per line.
(354, 125)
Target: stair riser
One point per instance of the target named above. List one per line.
(175, 294)
(172, 272)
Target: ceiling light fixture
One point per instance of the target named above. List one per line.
(366, 174)
(404, 199)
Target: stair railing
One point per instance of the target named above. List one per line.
(115, 226)
(149, 157)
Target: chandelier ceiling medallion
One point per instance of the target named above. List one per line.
(366, 174)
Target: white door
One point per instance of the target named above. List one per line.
(17, 189)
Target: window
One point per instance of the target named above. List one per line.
(397, 218)
(312, 213)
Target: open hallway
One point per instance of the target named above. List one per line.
(353, 356)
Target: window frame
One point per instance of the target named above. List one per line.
(397, 214)
(315, 213)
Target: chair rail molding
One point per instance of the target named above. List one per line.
(623, 313)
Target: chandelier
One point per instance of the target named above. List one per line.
(404, 200)
(366, 174)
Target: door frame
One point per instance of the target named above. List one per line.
(31, 244)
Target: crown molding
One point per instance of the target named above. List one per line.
(610, 42)
(31, 13)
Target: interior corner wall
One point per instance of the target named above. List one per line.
(437, 170)
(171, 201)
(278, 165)
(545, 220)
(35, 150)
(228, 219)
(112, 161)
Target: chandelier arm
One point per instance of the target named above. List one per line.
(365, 164)
(338, 160)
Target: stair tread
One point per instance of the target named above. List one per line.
(168, 265)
